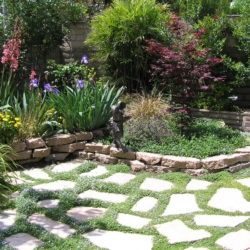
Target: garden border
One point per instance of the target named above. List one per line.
(59, 147)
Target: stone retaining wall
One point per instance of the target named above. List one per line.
(238, 120)
(59, 147)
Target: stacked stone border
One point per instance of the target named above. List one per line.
(59, 147)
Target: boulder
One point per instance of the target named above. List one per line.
(148, 158)
(61, 139)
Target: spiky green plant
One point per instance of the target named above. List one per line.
(85, 109)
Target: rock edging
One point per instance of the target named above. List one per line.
(59, 147)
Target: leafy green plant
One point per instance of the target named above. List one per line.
(85, 108)
(32, 109)
(5, 168)
(119, 34)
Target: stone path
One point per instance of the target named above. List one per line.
(182, 219)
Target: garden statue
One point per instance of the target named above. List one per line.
(116, 124)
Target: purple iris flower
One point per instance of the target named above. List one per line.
(80, 84)
(84, 59)
(55, 91)
(34, 83)
(47, 87)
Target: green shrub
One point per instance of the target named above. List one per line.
(86, 108)
(119, 35)
(141, 132)
(5, 168)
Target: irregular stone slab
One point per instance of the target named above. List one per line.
(106, 159)
(19, 146)
(145, 204)
(16, 178)
(219, 220)
(113, 240)
(235, 240)
(230, 200)
(22, 155)
(176, 231)
(35, 143)
(120, 178)
(121, 154)
(181, 204)
(84, 136)
(148, 158)
(7, 219)
(156, 185)
(97, 148)
(69, 148)
(60, 139)
(223, 161)
(49, 203)
(137, 166)
(100, 170)
(132, 221)
(23, 241)
(86, 213)
(108, 197)
(55, 186)
(245, 182)
(66, 167)
(41, 152)
(37, 174)
(55, 227)
(243, 150)
(180, 162)
(194, 185)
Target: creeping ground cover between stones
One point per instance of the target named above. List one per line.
(82, 205)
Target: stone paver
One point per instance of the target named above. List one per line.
(230, 200)
(16, 178)
(7, 219)
(66, 167)
(156, 185)
(49, 203)
(23, 241)
(219, 220)
(55, 227)
(176, 231)
(37, 174)
(145, 204)
(181, 204)
(85, 213)
(113, 240)
(194, 185)
(55, 186)
(98, 171)
(120, 178)
(239, 240)
(132, 221)
(245, 182)
(108, 197)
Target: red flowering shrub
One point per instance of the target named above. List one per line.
(184, 67)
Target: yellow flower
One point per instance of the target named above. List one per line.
(5, 119)
(17, 119)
